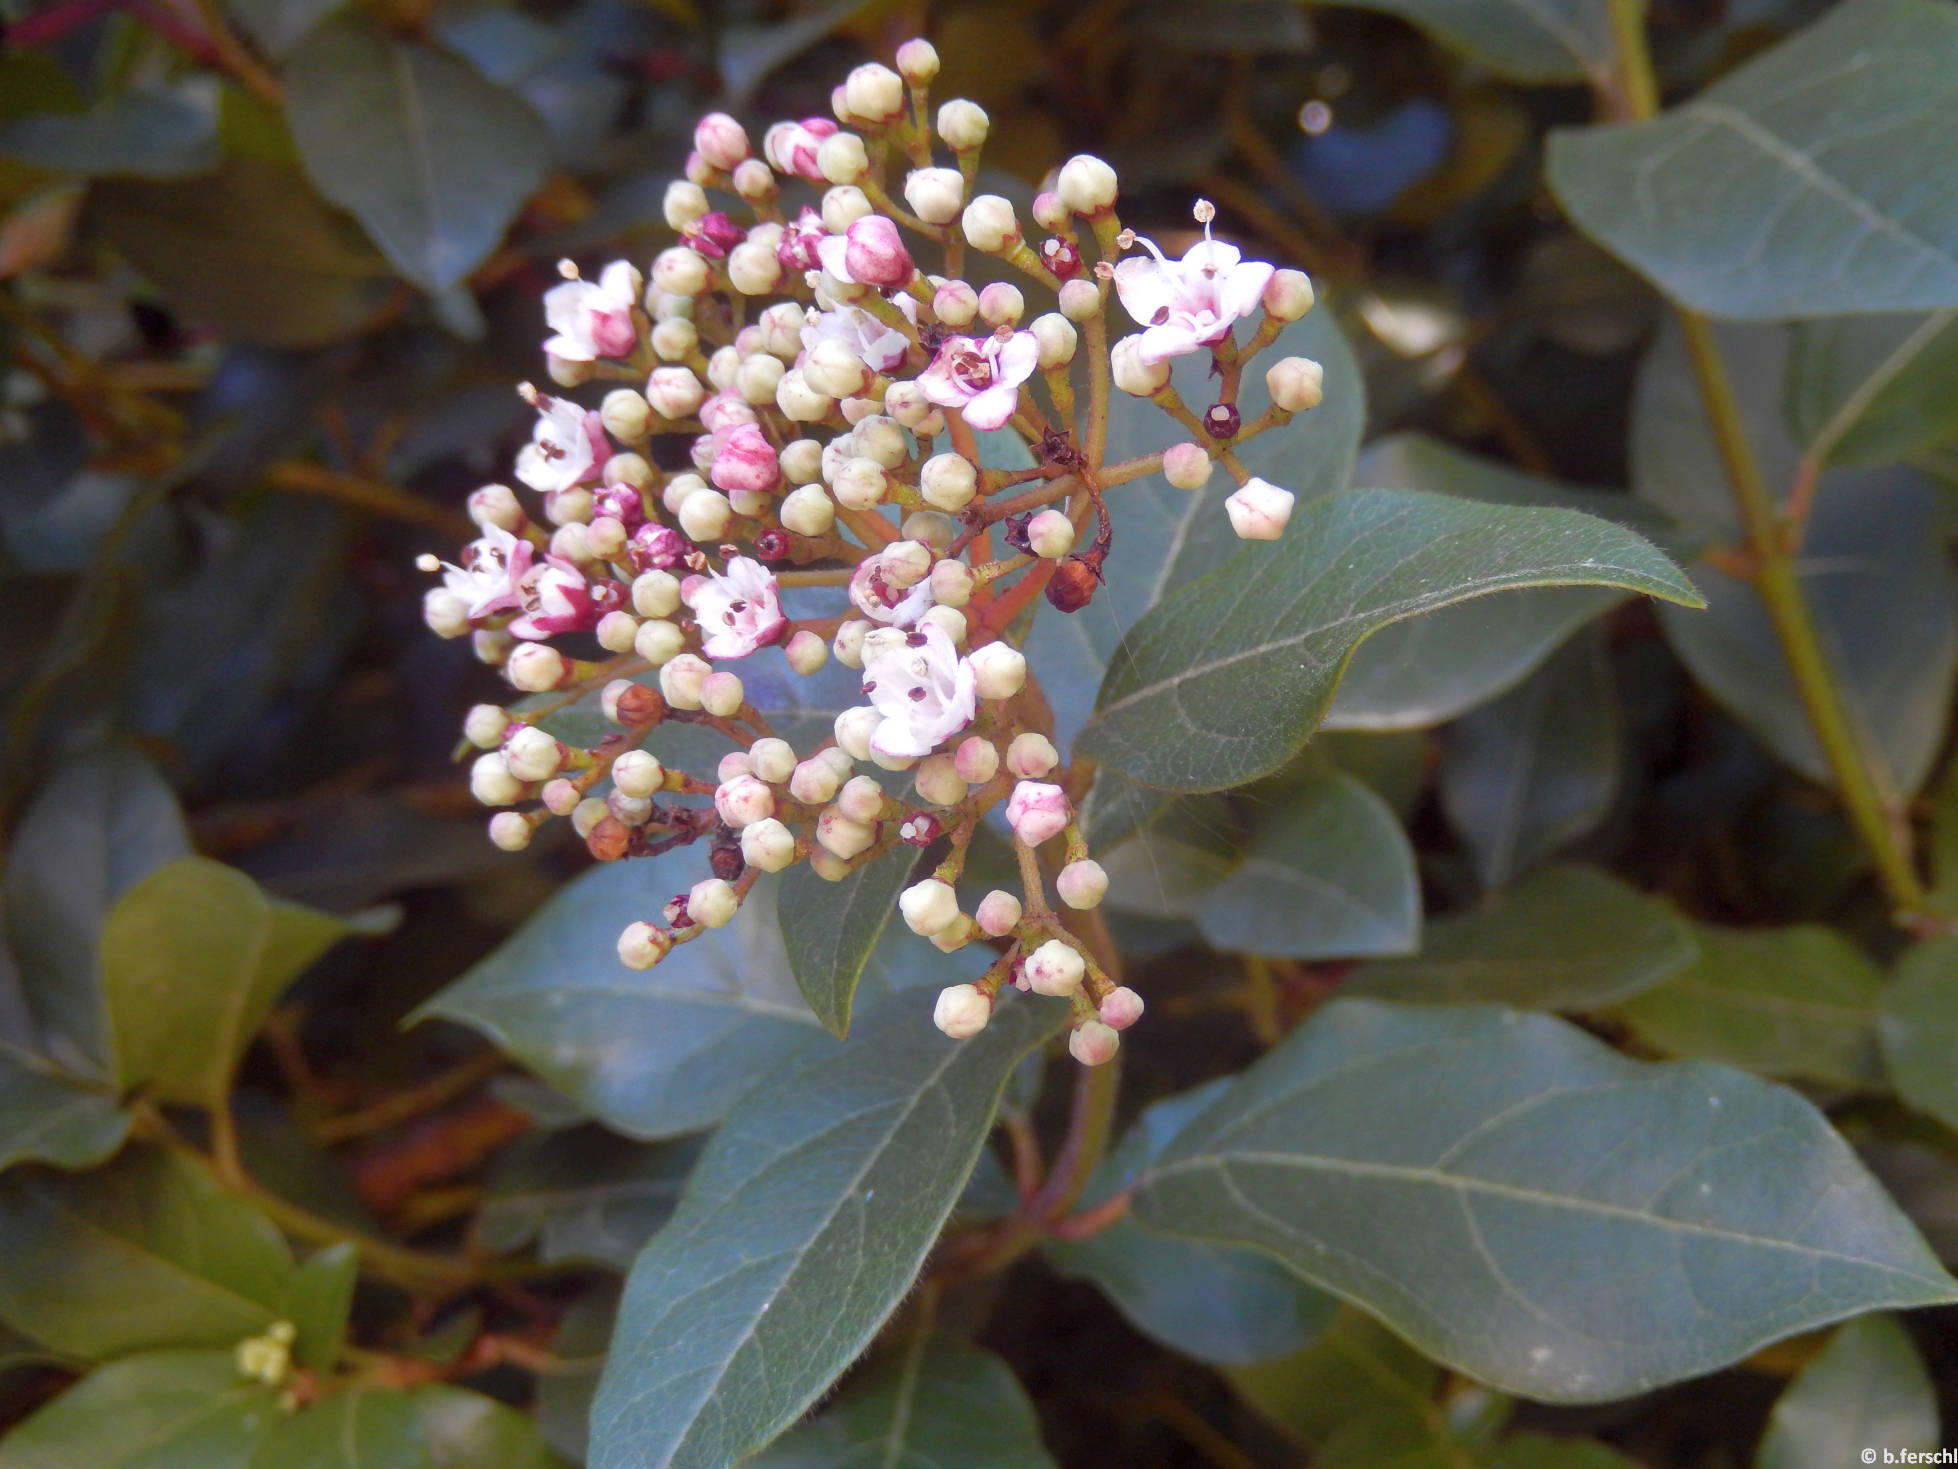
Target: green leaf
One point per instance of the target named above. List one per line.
(1224, 681)
(1519, 40)
(1217, 1303)
(586, 1194)
(1171, 864)
(193, 958)
(1810, 182)
(942, 1402)
(1866, 1389)
(1355, 1367)
(432, 158)
(162, 133)
(160, 1410)
(96, 828)
(800, 1231)
(1794, 1002)
(829, 929)
(280, 25)
(1526, 1205)
(1331, 875)
(249, 250)
(48, 1115)
(668, 1051)
(465, 1430)
(360, 1428)
(564, 1395)
(1544, 1451)
(1919, 1027)
(318, 1302)
(145, 1253)
(1567, 938)
(1874, 389)
(1538, 768)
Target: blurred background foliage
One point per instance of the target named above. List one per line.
(268, 272)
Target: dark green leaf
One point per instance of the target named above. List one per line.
(1795, 1002)
(830, 928)
(160, 1410)
(1874, 389)
(1331, 875)
(1521, 40)
(99, 826)
(159, 134)
(668, 1051)
(1866, 1389)
(1218, 1303)
(193, 957)
(432, 158)
(1527, 1205)
(1568, 938)
(1808, 183)
(1224, 681)
(1920, 1028)
(586, 1194)
(1166, 867)
(48, 1115)
(565, 1393)
(800, 1231)
(317, 1303)
(360, 1428)
(1538, 768)
(943, 1402)
(1543, 1451)
(279, 25)
(145, 1253)
(465, 1430)
(1353, 1368)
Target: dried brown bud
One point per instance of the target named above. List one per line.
(724, 858)
(1073, 584)
(638, 705)
(608, 839)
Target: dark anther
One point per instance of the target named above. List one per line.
(915, 640)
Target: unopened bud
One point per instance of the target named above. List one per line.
(989, 224)
(532, 755)
(842, 159)
(684, 203)
(962, 125)
(617, 632)
(446, 613)
(680, 271)
(1086, 185)
(1132, 374)
(955, 303)
(800, 401)
(712, 903)
(641, 945)
(976, 760)
(704, 516)
(753, 268)
(674, 392)
(1037, 811)
(1055, 968)
(1259, 510)
(510, 831)
(951, 583)
(917, 62)
(928, 906)
(854, 728)
(962, 1011)
(843, 206)
(1186, 466)
(1295, 383)
(1288, 295)
(1000, 669)
(658, 641)
(860, 484)
(936, 195)
(842, 837)
(638, 773)
(496, 505)
(1057, 338)
(1080, 299)
(1082, 884)
(1094, 1043)
(948, 482)
(861, 799)
(1002, 304)
(536, 667)
(483, 726)
(675, 340)
(681, 678)
(1050, 534)
(722, 695)
(849, 644)
(491, 782)
(806, 652)
(1031, 755)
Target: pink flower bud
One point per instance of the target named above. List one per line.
(962, 1010)
(1055, 968)
(1050, 213)
(1031, 755)
(1259, 510)
(1002, 304)
(1094, 1044)
(746, 460)
(721, 141)
(1121, 1008)
(712, 903)
(869, 253)
(722, 694)
(1050, 535)
(743, 801)
(1186, 466)
(1036, 811)
(768, 844)
(806, 652)
(642, 946)
(976, 760)
(955, 303)
(1082, 884)
(1288, 295)
(998, 912)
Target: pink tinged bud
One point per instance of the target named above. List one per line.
(842, 837)
(1186, 466)
(720, 141)
(999, 911)
(491, 782)
(1001, 670)
(872, 254)
(1094, 1044)
(496, 505)
(722, 694)
(1288, 295)
(733, 763)
(1121, 1008)
(674, 392)
(806, 652)
(712, 903)
(1082, 884)
(536, 667)
(745, 460)
(814, 782)
(938, 781)
(962, 1011)
(484, 726)
(791, 146)
(681, 678)
(768, 845)
(655, 547)
(641, 945)
(917, 61)
(1050, 534)
(743, 801)
(1037, 812)
(560, 797)
(638, 773)
(955, 303)
(1259, 510)
(929, 907)
(1001, 304)
(1080, 300)
(1031, 755)
(1055, 968)
(976, 760)
(1050, 213)
(861, 799)
(531, 754)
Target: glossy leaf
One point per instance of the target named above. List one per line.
(158, 1410)
(1567, 938)
(432, 158)
(950, 1403)
(829, 928)
(1919, 1027)
(360, 1428)
(318, 1302)
(1874, 389)
(193, 958)
(143, 1254)
(465, 1430)
(1807, 183)
(1796, 1002)
(1330, 875)
(1526, 1205)
(800, 1231)
(52, 1117)
(1538, 768)
(1218, 1303)
(97, 827)
(1866, 1389)
(585, 1194)
(668, 1051)
(161, 133)
(1521, 40)
(1225, 680)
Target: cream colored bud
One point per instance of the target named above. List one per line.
(1295, 383)
(491, 782)
(679, 271)
(1187, 466)
(722, 695)
(860, 484)
(854, 728)
(873, 92)
(616, 631)
(1050, 534)
(781, 329)
(1001, 670)
(1002, 304)
(510, 831)
(989, 224)
(848, 646)
(1082, 884)
(753, 270)
(641, 946)
(962, 125)
(936, 195)
(1132, 374)
(917, 62)
(768, 845)
(842, 158)
(705, 516)
(639, 773)
(814, 782)
(483, 726)
(1080, 300)
(928, 906)
(948, 620)
(1057, 338)
(938, 782)
(773, 760)
(907, 404)
(721, 367)
(536, 667)
(955, 303)
(1031, 755)
(842, 837)
(758, 377)
(843, 206)
(835, 369)
(684, 203)
(1259, 510)
(625, 414)
(1288, 295)
(678, 489)
(883, 440)
(806, 652)
(1087, 185)
(674, 392)
(1055, 968)
(712, 903)
(802, 461)
(808, 511)
(681, 678)
(801, 402)
(948, 482)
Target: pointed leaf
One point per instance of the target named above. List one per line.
(585, 1194)
(432, 158)
(48, 1115)
(465, 1430)
(1225, 680)
(159, 1410)
(1867, 1389)
(1525, 1204)
(946, 1403)
(800, 1231)
(1874, 389)
(145, 1253)
(1354, 1368)
(829, 928)
(1568, 938)
(1811, 182)
(360, 1428)
(318, 1302)
(1520, 40)
(1920, 1028)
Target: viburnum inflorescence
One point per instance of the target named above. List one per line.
(796, 405)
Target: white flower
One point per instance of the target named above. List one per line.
(887, 597)
(1189, 303)
(593, 319)
(982, 378)
(881, 347)
(738, 611)
(925, 692)
(492, 565)
(564, 449)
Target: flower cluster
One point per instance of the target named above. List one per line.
(796, 404)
